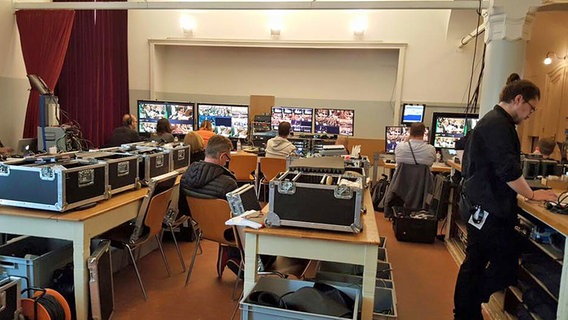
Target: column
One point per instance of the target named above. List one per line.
(508, 24)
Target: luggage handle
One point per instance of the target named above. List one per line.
(4, 170)
(123, 168)
(181, 154)
(86, 178)
(159, 161)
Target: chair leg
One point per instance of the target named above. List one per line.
(194, 227)
(237, 307)
(177, 247)
(241, 266)
(197, 244)
(137, 272)
(163, 255)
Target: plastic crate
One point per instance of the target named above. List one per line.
(35, 258)
(383, 269)
(280, 287)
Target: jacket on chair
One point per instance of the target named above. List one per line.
(409, 188)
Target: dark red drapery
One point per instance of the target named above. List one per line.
(44, 36)
(93, 86)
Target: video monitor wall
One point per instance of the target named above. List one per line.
(179, 114)
(334, 121)
(301, 119)
(450, 127)
(412, 113)
(398, 134)
(227, 120)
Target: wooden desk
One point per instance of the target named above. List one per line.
(436, 167)
(76, 226)
(361, 249)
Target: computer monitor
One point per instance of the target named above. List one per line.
(447, 128)
(548, 167)
(397, 134)
(179, 114)
(300, 119)
(334, 121)
(412, 113)
(531, 168)
(229, 120)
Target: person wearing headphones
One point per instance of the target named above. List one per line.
(125, 133)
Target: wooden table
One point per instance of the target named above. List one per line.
(76, 226)
(360, 249)
(436, 167)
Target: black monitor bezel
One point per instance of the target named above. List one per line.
(458, 115)
(292, 127)
(314, 124)
(405, 105)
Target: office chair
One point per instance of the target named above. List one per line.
(242, 165)
(269, 167)
(210, 215)
(148, 223)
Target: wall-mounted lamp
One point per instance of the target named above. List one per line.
(552, 54)
(187, 25)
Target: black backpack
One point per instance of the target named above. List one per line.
(378, 193)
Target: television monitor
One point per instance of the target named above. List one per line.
(334, 121)
(228, 120)
(447, 128)
(300, 119)
(412, 113)
(179, 114)
(397, 134)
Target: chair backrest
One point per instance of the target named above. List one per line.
(211, 215)
(242, 165)
(270, 167)
(157, 211)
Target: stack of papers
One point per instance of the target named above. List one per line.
(252, 219)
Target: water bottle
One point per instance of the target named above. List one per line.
(239, 145)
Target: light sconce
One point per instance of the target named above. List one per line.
(187, 25)
(551, 54)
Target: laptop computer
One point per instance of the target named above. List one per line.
(26, 146)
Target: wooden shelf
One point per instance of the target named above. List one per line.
(539, 283)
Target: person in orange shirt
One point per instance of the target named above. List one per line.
(205, 131)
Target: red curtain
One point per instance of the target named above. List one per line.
(93, 87)
(44, 36)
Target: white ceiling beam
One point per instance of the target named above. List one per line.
(256, 5)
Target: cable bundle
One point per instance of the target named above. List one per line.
(46, 304)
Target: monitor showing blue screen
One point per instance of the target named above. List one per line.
(300, 119)
(334, 121)
(412, 113)
(179, 114)
(227, 119)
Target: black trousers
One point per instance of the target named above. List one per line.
(490, 265)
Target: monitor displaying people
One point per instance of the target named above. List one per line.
(300, 119)
(179, 114)
(334, 121)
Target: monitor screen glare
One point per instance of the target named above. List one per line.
(227, 120)
(412, 113)
(299, 118)
(334, 121)
(398, 134)
(179, 114)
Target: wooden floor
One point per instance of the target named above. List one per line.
(424, 276)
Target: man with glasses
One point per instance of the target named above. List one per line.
(492, 179)
(211, 179)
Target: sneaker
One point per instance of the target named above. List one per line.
(233, 265)
(222, 258)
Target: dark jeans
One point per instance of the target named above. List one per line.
(490, 265)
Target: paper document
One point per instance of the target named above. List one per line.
(252, 219)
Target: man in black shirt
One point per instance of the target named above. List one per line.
(125, 133)
(492, 179)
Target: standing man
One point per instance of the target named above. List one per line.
(492, 179)
(280, 147)
(126, 133)
(415, 148)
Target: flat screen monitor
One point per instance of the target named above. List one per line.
(300, 119)
(412, 113)
(179, 114)
(450, 127)
(334, 121)
(228, 120)
(397, 134)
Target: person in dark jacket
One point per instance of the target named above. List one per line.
(211, 180)
(125, 133)
(163, 132)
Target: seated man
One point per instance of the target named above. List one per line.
(280, 147)
(125, 133)
(546, 147)
(415, 150)
(210, 179)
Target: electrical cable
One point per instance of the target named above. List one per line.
(52, 306)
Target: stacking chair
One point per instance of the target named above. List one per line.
(269, 167)
(148, 223)
(242, 165)
(210, 215)
(170, 224)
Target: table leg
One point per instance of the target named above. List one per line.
(369, 279)
(251, 262)
(81, 252)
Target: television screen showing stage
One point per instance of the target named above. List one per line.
(300, 118)
(412, 113)
(334, 121)
(398, 134)
(179, 114)
(450, 127)
(227, 120)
